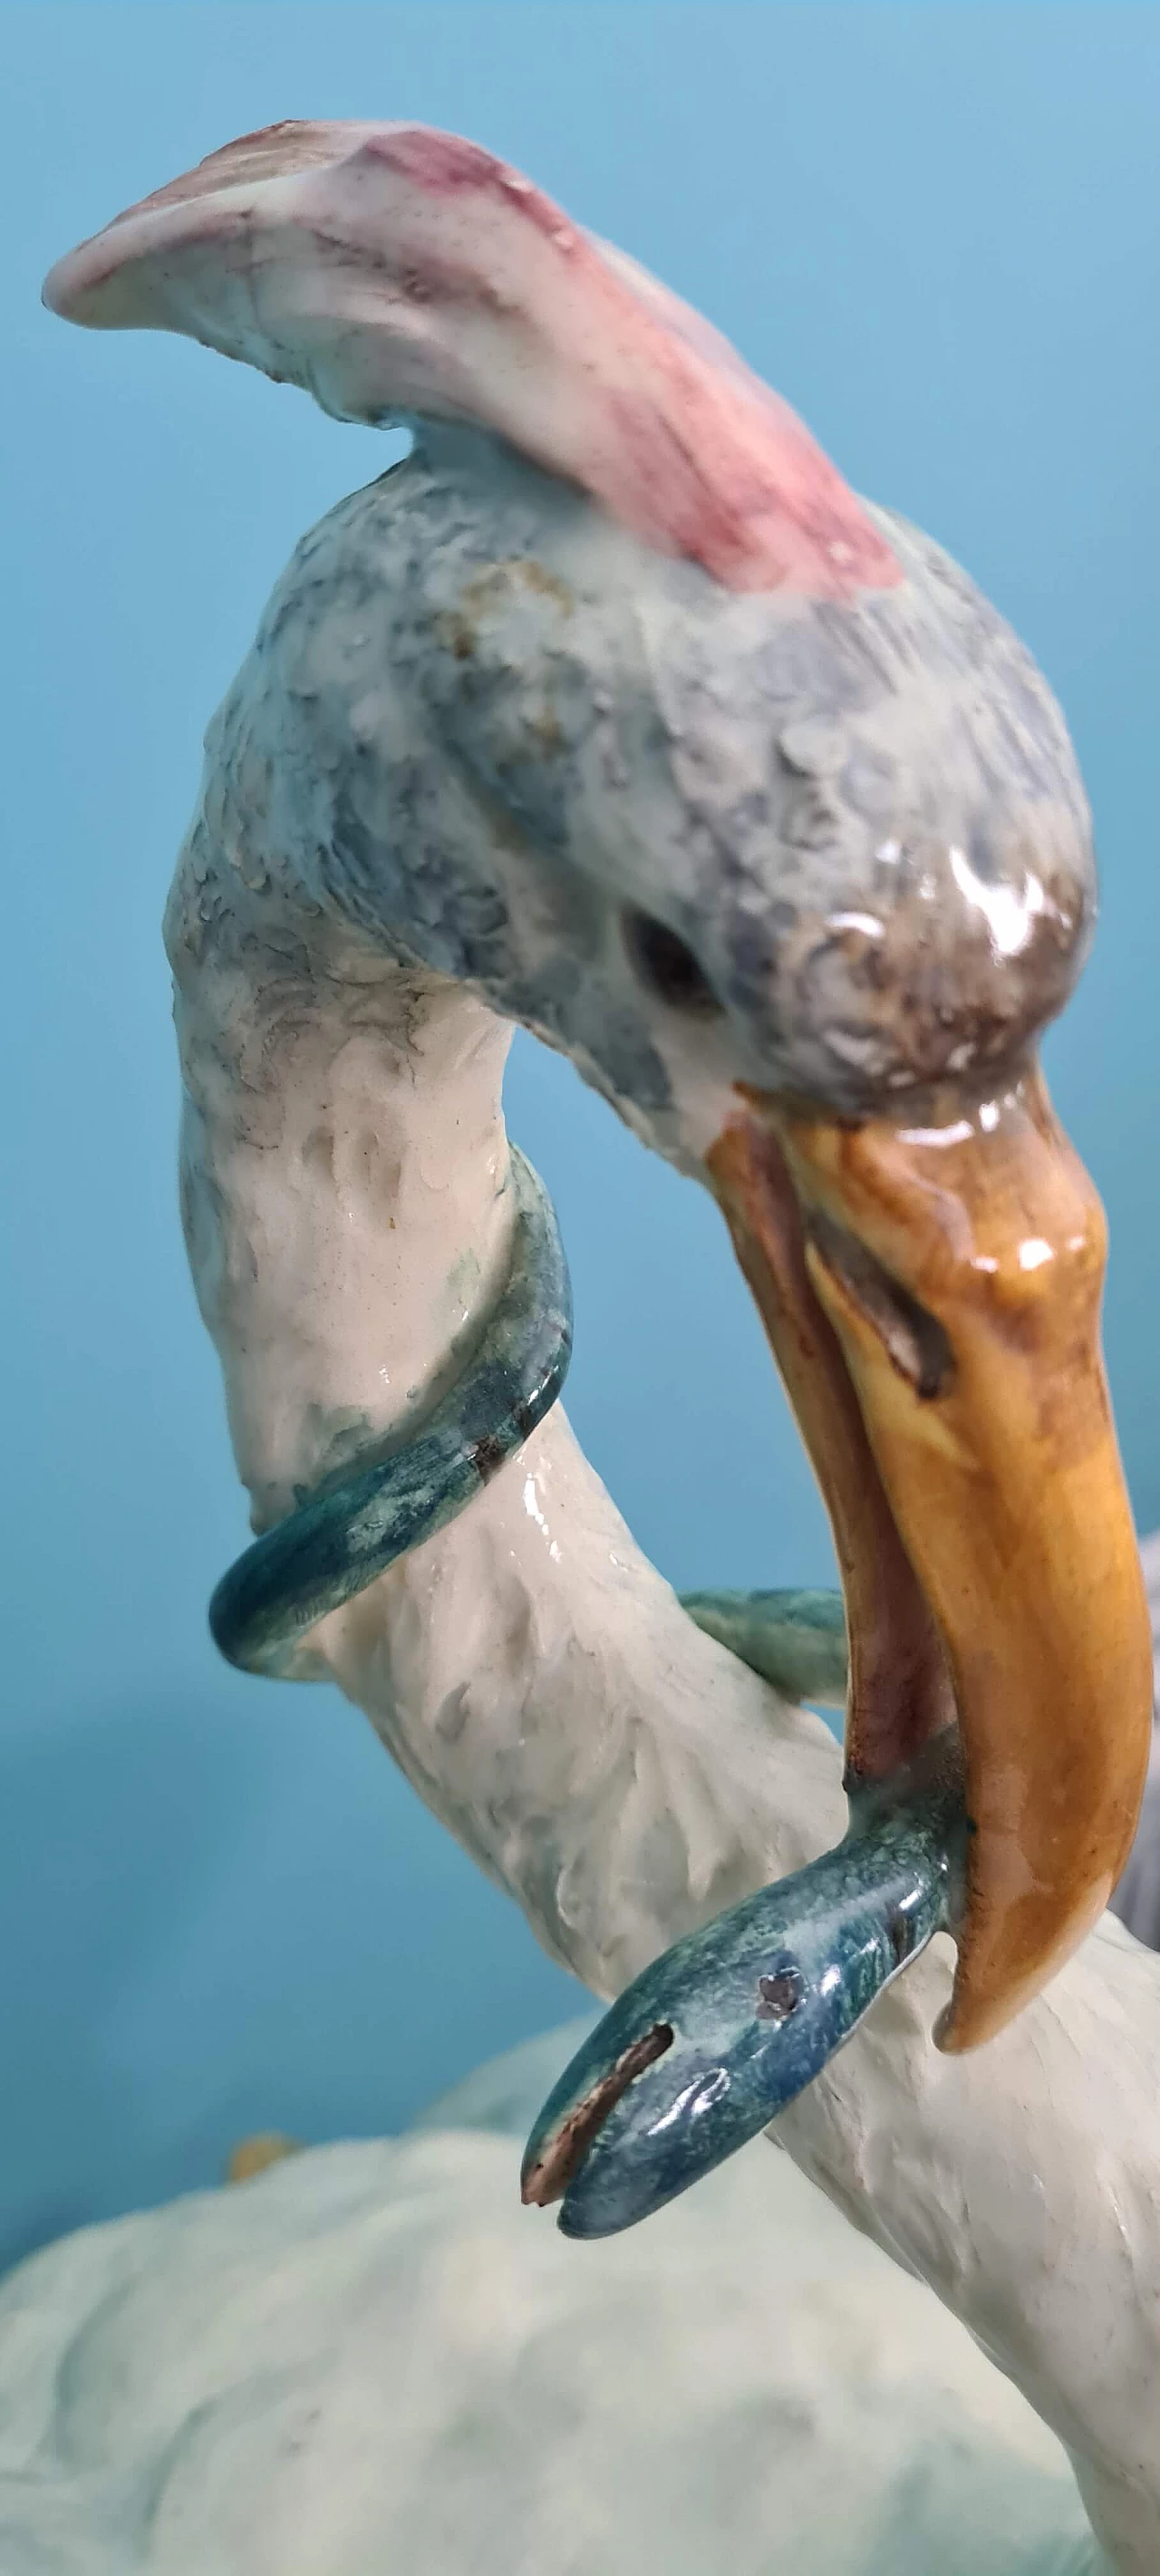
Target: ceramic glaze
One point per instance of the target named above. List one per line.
(734, 2021)
(365, 1516)
(787, 850)
(795, 1639)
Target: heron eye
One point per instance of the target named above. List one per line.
(666, 967)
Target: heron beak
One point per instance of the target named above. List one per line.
(932, 1295)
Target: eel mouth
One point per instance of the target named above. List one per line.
(932, 1297)
(548, 2173)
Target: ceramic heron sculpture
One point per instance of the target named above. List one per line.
(613, 712)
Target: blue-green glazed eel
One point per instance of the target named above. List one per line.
(796, 1640)
(718, 2035)
(362, 1519)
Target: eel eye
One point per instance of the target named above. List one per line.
(665, 966)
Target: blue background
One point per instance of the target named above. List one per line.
(935, 230)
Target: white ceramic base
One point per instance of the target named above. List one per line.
(371, 2359)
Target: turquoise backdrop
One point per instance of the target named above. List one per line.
(935, 229)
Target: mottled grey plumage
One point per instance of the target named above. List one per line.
(489, 727)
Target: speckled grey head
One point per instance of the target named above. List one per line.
(838, 849)
(613, 701)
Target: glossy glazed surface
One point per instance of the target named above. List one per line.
(746, 2013)
(796, 1640)
(366, 1515)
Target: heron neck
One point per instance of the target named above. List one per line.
(343, 1167)
(623, 1776)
